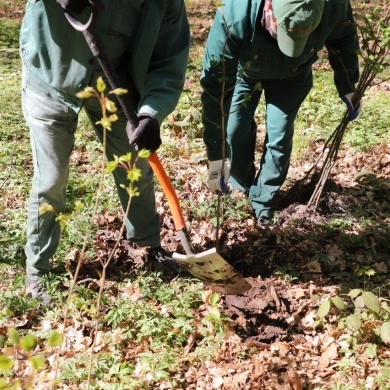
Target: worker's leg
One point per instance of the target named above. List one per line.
(283, 99)
(52, 125)
(142, 222)
(241, 135)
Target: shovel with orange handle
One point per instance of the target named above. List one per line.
(207, 266)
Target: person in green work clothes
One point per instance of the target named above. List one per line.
(147, 40)
(268, 47)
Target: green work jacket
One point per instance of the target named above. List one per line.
(152, 37)
(248, 51)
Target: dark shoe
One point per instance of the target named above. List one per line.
(163, 257)
(35, 289)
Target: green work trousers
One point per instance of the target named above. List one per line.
(52, 125)
(283, 98)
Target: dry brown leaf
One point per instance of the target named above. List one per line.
(327, 356)
(294, 380)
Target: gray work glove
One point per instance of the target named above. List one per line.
(219, 173)
(74, 7)
(147, 134)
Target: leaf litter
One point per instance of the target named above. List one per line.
(293, 266)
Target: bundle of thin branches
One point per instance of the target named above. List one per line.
(375, 51)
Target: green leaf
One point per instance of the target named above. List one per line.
(353, 322)
(13, 336)
(359, 303)
(371, 301)
(385, 332)
(111, 166)
(44, 208)
(37, 362)
(111, 106)
(370, 272)
(55, 339)
(324, 308)
(119, 91)
(27, 343)
(84, 95)
(100, 84)
(161, 375)
(144, 153)
(6, 363)
(371, 351)
(134, 174)
(354, 293)
(214, 298)
(78, 205)
(339, 303)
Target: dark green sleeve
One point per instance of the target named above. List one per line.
(167, 68)
(343, 47)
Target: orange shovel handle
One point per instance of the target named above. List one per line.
(169, 191)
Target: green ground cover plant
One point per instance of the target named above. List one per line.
(150, 331)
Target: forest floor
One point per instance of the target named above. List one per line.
(306, 259)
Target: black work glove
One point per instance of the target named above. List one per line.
(147, 134)
(74, 7)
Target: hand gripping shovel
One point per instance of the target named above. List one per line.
(208, 266)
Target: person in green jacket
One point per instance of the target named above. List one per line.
(268, 47)
(145, 40)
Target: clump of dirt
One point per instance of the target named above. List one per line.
(273, 310)
(261, 314)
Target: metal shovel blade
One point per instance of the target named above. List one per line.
(211, 269)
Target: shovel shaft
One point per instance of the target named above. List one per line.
(173, 202)
(97, 50)
(169, 191)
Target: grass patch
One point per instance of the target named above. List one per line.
(9, 32)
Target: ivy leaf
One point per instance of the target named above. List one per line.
(324, 308)
(384, 332)
(371, 301)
